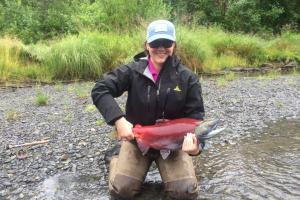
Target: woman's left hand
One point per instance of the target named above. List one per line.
(190, 144)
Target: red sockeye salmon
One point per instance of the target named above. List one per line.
(168, 135)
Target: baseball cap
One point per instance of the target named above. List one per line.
(161, 29)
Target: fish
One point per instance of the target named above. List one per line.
(168, 135)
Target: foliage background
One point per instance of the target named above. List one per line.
(46, 40)
(33, 20)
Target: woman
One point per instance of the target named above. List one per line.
(159, 87)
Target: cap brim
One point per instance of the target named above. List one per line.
(160, 36)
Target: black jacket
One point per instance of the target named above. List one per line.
(175, 94)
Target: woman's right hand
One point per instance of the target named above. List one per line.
(124, 129)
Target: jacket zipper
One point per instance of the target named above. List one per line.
(157, 93)
(148, 97)
(165, 103)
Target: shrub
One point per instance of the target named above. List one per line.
(41, 98)
(285, 47)
(10, 51)
(88, 55)
(248, 47)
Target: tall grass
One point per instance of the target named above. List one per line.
(211, 49)
(88, 55)
(10, 50)
(15, 65)
(284, 48)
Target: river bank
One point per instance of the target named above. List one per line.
(78, 137)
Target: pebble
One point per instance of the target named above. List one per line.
(243, 105)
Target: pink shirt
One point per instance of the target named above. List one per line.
(152, 69)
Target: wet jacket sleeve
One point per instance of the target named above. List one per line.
(194, 107)
(113, 84)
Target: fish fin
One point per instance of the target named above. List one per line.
(165, 153)
(142, 146)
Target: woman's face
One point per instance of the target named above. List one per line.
(159, 51)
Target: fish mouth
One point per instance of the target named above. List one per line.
(212, 133)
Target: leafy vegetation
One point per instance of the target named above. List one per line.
(223, 80)
(41, 98)
(255, 16)
(90, 108)
(53, 40)
(12, 115)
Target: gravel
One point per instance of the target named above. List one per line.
(78, 137)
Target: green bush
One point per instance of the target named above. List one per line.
(35, 20)
(247, 47)
(284, 48)
(10, 50)
(88, 55)
(193, 49)
(211, 49)
(41, 99)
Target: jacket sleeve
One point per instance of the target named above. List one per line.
(113, 84)
(194, 107)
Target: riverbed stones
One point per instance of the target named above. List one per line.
(77, 143)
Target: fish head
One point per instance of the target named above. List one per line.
(211, 134)
(206, 126)
(208, 129)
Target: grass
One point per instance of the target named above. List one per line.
(269, 76)
(223, 80)
(58, 86)
(90, 108)
(68, 118)
(286, 47)
(89, 54)
(41, 99)
(15, 65)
(81, 92)
(12, 115)
(99, 122)
(211, 49)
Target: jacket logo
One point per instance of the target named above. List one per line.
(177, 89)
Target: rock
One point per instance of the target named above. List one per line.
(21, 196)
(266, 66)
(64, 157)
(79, 148)
(7, 183)
(4, 193)
(289, 66)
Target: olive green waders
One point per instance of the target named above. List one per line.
(129, 169)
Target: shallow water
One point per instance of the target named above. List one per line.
(265, 165)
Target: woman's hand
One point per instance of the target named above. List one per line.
(124, 129)
(190, 144)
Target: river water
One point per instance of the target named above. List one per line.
(265, 165)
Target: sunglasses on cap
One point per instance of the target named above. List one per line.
(161, 43)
